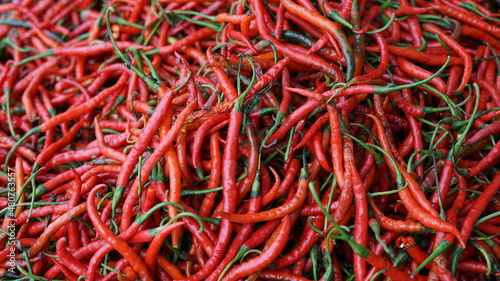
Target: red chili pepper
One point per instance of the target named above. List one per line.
(200, 134)
(421, 210)
(462, 16)
(267, 256)
(457, 48)
(307, 240)
(488, 161)
(420, 73)
(277, 275)
(70, 114)
(315, 62)
(118, 244)
(44, 238)
(68, 260)
(397, 225)
(278, 212)
(330, 27)
(145, 137)
(316, 148)
(274, 67)
(155, 244)
(479, 207)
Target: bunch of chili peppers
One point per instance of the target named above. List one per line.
(249, 140)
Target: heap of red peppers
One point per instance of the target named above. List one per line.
(249, 140)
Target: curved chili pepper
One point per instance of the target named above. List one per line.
(417, 72)
(462, 16)
(459, 49)
(68, 260)
(68, 115)
(155, 245)
(396, 225)
(44, 238)
(329, 27)
(267, 256)
(278, 212)
(151, 161)
(121, 246)
(314, 62)
(415, 209)
(307, 240)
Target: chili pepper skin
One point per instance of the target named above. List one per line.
(384, 63)
(68, 260)
(292, 119)
(268, 77)
(336, 145)
(267, 256)
(44, 238)
(460, 15)
(361, 205)
(318, 124)
(419, 213)
(271, 274)
(479, 34)
(197, 168)
(486, 162)
(330, 27)
(107, 151)
(409, 244)
(383, 264)
(237, 247)
(224, 82)
(314, 62)
(117, 243)
(479, 206)
(201, 33)
(307, 240)
(318, 152)
(300, 39)
(278, 212)
(145, 137)
(456, 47)
(395, 225)
(200, 134)
(254, 170)
(68, 115)
(151, 161)
(415, 71)
(152, 252)
(43, 157)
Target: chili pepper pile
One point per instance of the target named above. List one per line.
(249, 140)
